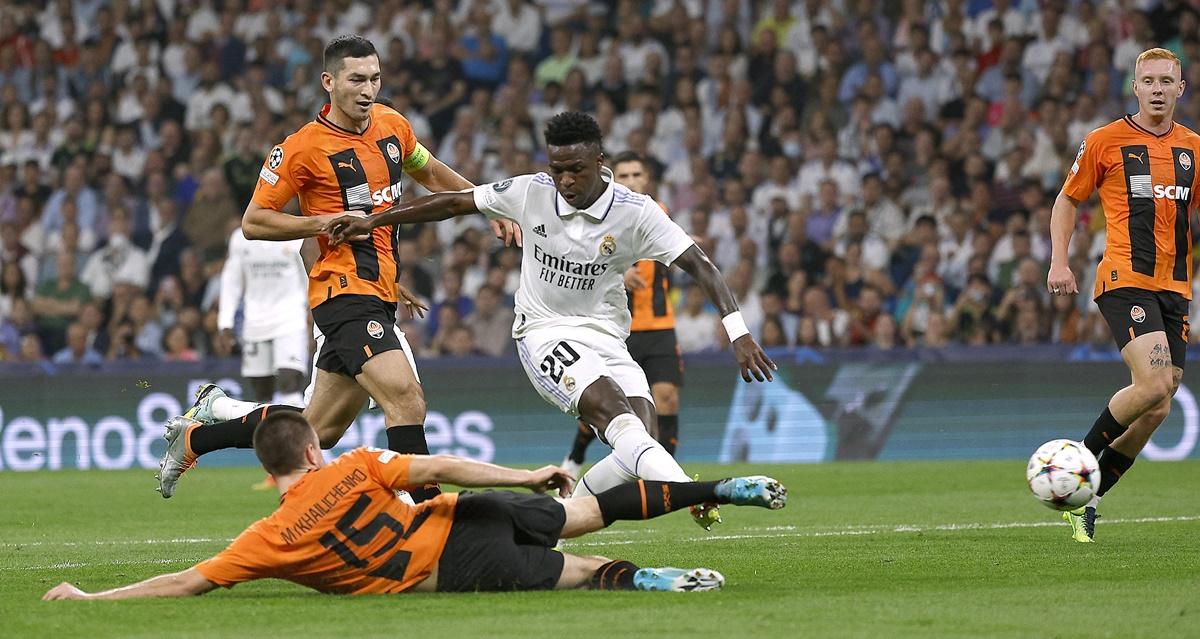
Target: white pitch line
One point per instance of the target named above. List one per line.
(877, 529)
(785, 532)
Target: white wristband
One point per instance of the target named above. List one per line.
(735, 326)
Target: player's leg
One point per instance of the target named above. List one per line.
(290, 358)
(336, 401)
(666, 399)
(645, 499)
(662, 361)
(1151, 330)
(257, 370)
(391, 379)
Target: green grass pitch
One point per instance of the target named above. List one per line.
(862, 550)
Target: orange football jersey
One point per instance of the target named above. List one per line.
(650, 307)
(1147, 186)
(333, 170)
(341, 529)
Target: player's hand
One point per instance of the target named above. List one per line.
(634, 281)
(345, 228)
(752, 360)
(1061, 281)
(551, 478)
(508, 231)
(64, 591)
(409, 300)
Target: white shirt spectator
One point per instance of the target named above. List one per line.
(522, 29)
(118, 262)
(201, 103)
(203, 22)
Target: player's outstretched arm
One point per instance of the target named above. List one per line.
(468, 473)
(750, 356)
(1060, 280)
(436, 176)
(260, 223)
(185, 583)
(431, 208)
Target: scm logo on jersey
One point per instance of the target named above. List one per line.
(387, 194)
(1171, 191)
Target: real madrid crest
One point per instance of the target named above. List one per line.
(569, 383)
(1185, 161)
(608, 246)
(393, 152)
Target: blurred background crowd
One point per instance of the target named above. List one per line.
(866, 173)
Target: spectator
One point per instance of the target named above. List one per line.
(177, 346)
(58, 302)
(491, 323)
(117, 262)
(77, 350)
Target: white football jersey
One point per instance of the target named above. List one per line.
(573, 260)
(268, 280)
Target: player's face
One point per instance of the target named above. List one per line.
(1158, 85)
(576, 173)
(632, 175)
(353, 89)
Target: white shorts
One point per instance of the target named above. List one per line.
(563, 361)
(265, 358)
(320, 339)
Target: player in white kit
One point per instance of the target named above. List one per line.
(582, 231)
(269, 282)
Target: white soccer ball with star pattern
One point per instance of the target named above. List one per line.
(1063, 474)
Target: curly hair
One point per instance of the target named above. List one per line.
(572, 127)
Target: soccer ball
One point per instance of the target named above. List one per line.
(1063, 474)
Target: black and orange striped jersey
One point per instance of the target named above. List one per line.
(341, 529)
(333, 170)
(650, 307)
(1147, 186)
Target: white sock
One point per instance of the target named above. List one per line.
(1095, 502)
(637, 451)
(605, 474)
(290, 399)
(230, 408)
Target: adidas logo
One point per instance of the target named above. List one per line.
(540, 229)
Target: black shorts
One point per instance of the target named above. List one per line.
(502, 541)
(1133, 312)
(356, 328)
(657, 352)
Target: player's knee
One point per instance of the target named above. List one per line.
(666, 399)
(1159, 389)
(405, 400)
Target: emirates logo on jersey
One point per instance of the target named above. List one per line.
(1185, 161)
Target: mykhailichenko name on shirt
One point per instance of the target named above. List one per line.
(574, 260)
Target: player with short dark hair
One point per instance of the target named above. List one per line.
(1144, 166)
(583, 230)
(341, 529)
(352, 157)
(652, 342)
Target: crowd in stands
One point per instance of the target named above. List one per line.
(864, 172)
